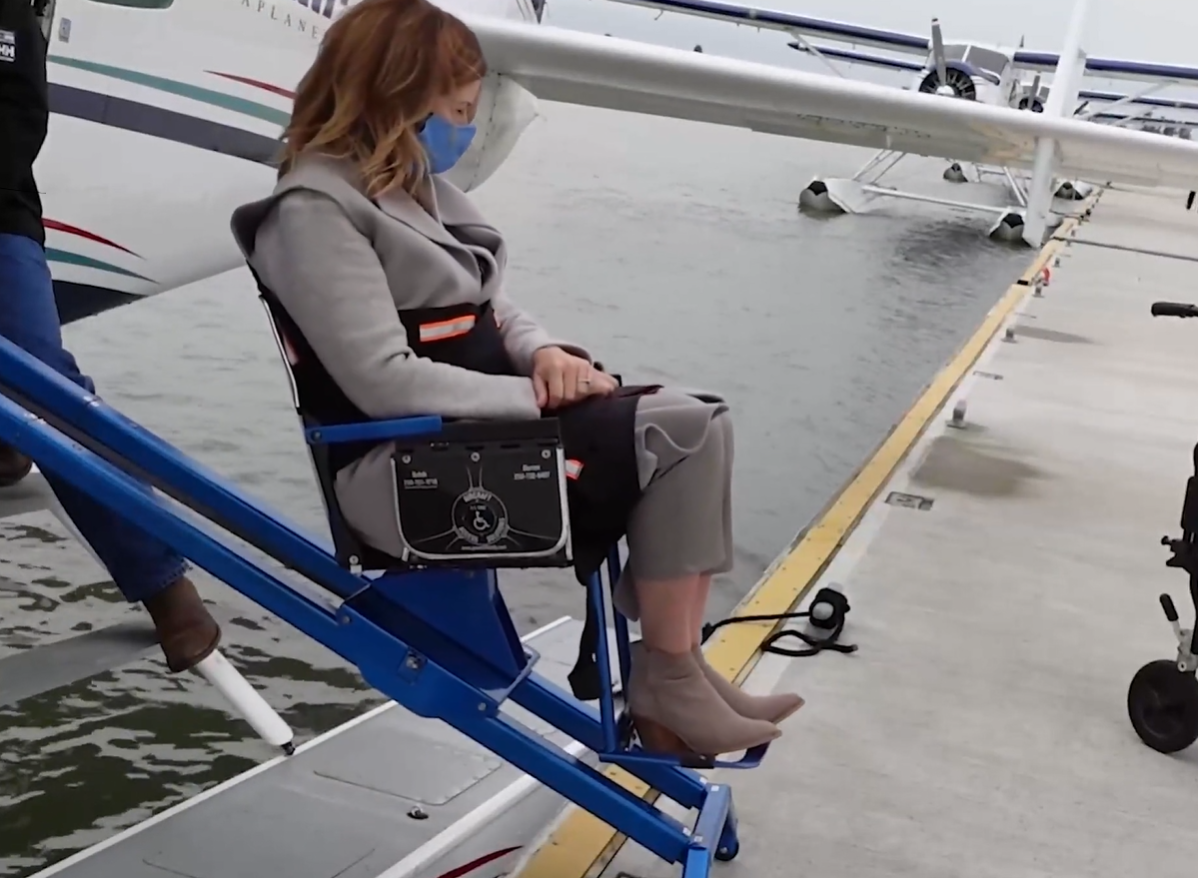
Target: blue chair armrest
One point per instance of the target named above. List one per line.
(374, 431)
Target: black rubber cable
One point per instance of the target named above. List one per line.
(834, 625)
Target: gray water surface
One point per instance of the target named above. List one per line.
(673, 251)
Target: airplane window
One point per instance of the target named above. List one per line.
(988, 59)
(138, 4)
(951, 53)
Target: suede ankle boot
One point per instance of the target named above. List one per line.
(772, 708)
(676, 710)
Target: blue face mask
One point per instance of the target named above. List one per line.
(444, 142)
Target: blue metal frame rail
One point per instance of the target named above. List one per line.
(438, 641)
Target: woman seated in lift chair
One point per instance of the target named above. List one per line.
(363, 242)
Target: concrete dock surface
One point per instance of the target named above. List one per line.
(981, 729)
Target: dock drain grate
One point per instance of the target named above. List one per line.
(994, 376)
(909, 501)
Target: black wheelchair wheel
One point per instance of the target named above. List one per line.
(1162, 703)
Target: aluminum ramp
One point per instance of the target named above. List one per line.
(355, 802)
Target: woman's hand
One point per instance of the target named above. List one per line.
(560, 378)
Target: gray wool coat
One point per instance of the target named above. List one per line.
(342, 266)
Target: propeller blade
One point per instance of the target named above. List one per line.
(938, 52)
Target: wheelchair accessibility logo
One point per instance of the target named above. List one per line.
(480, 519)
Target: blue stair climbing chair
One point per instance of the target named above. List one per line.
(431, 631)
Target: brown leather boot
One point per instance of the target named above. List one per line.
(773, 708)
(14, 466)
(186, 631)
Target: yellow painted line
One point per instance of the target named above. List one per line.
(582, 846)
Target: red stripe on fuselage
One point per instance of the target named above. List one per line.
(467, 868)
(55, 225)
(266, 86)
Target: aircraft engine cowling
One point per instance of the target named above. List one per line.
(960, 80)
(505, 109)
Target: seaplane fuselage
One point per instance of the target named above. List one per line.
(166, 115)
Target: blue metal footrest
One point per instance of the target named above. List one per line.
(628, 758)
(629, 753)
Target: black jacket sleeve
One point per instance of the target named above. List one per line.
(24, 116)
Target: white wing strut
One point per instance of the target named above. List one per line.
(598, 71)
(1066, 83)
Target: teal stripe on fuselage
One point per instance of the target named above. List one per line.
(193, 92)
(67, 258)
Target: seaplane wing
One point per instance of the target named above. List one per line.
(1111, 68)
(1040, 62)
(803, 26)
(904, 65)
(849, 56)
(799, 25)
(617, 74)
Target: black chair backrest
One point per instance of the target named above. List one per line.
(350, 552)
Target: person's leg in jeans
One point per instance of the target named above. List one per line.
(144, 569)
